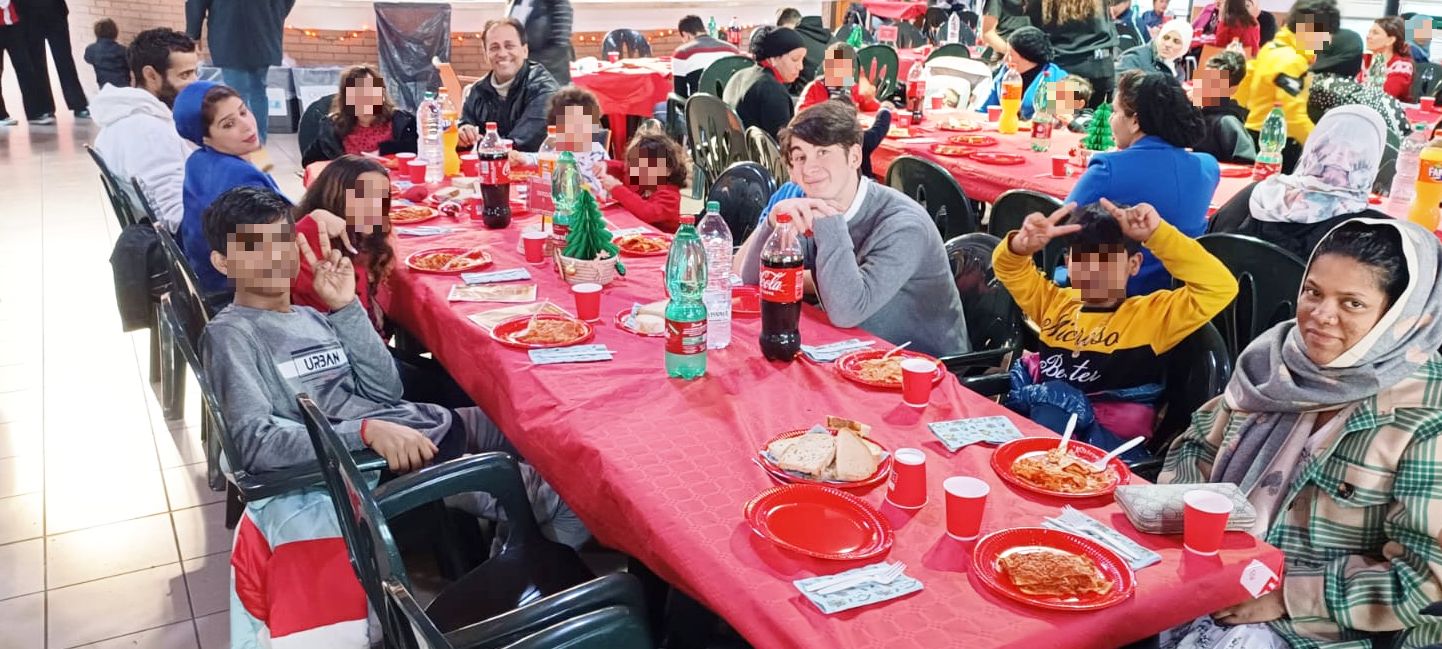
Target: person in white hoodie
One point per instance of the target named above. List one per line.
(137, 132)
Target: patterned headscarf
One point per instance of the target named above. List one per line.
(1277, 382)
(1333, 175)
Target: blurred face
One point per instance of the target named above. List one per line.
(365, 210)
(1068, 100)
(1119, 9)
(648, 171)
(233, 130)
(1159, 6)
(577, 128)
(824, 172)
(1210, 87)
(1311, 37)
(1423, 33)
(1169, 45)
(1102, 276)
(179, 73)
(837, 70)
(260, 259)
(1254, 8)
(1125, 129)
(1378, 40)
(505, 52)
(1341, 300)
(788, 66)
(365, 97)
(1018, 62)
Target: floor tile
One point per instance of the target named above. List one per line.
(116, 493)
(22, 405)
(116, 606)
(23, 621)
(201, 531)
(180, 447)
(214, 631)
(21, 475)
(22, 438)
(187, 486)
(21, 517)
(22, 568)
(109, 550)
(19, 377)
(180, 635)
(208, 580)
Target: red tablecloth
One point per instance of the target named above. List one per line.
(1416, 114)
(629, 87)
(894, 10)
(661, 469)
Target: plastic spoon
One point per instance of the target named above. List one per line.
(1101, 465)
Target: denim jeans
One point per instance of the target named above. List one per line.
(250, 85)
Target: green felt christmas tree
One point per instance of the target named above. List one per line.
(1099, 131)
(588, 239)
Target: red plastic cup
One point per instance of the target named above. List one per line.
(1204, 520)
(470, 165)
(417, 171)
(908, 479)
(613, 56)
(993, 113)
(405, 156)
(902, 120)
(588, 301)
(937, 102)
(1058, 165)
(965, 502)
(917, 375)
(534, 243)
(1429, 104)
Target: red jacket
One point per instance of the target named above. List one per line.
(660, 207)
(1251, 37)
(817, 93)
(301, 291)
(1399, 77)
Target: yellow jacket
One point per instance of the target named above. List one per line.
(1259, 92)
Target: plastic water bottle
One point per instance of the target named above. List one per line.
(1271, 142)
(1042, 120)
(953, 29)
(716, 238)
(1405, 180)
(565, 189)
(432, 133)
(685, 311)
(711, 27)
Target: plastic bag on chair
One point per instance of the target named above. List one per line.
(408, 36)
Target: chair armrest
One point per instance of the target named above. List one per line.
(616, 589)
(1147, 469)
(983, 358)
(989, 385)
(496, 474)
(254, 486)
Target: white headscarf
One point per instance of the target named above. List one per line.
(1334, 174)
(1183, 30)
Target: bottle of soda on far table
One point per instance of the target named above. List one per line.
(1011, 92)
(781, 291)
(1041, 116)
(686, 310)
(495, 179)
(1270, 143)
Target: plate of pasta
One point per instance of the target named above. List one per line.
(1036, 464)
(972, 140)
(643, 245)
(1052, 569)
(409, 214)
(542, 331)
(448, 260)
(867, 367)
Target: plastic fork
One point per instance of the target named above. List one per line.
(884, 577)
(1101, 465)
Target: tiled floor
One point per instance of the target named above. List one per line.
(109, 536)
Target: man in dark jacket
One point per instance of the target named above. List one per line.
(244, 41)
(48, 21)
(548, 31)
(814, 34)
(513, 95)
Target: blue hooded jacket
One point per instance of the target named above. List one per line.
(208, 174)
(1051, 72)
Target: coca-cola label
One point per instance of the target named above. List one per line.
(781, 284)
(495, 172)
(685, 338)
(1040, 129)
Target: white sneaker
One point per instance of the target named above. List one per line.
(44, 120)
(9, 121)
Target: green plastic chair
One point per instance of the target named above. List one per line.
(993, 321)
(879, 65)
(531, 584)
(714, 78)
(716, 136)
(762, 150)
(1268, 281)
(613, 627)
(1197, 369)
(1010, 209)
(936, 190)
(950, 49)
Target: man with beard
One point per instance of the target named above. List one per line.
(137, 135)
(514, 95)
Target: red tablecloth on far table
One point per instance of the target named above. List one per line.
(894, 10)
(629, 87)
(661, 469)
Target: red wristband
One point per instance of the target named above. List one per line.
(363, 432)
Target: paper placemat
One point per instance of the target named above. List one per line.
(492, 277)
(858, 596)
(489, 293)
(572, 354)
(489, 319)
(960, 432)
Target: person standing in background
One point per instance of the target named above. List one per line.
(999, 19)
(108, 56)
(48, 21)
(244, 40)
(1236, 22)
(1083, 38)
(39, 106)
(548, 33)
(1152, 20)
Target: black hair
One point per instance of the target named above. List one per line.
(1323, 15)
(788, 17)
(152, 48)
(691, 25)
(1370, 244)
(1232, 63)
(497, 22)
(241, 206)
(105, 28)
(1161, 107)
(1100, 233)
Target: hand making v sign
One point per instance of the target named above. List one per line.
(1037, 230)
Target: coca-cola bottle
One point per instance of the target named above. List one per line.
(495, 178)
(781, 289)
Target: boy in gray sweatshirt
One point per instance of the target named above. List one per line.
(261, 351)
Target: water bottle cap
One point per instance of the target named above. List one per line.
(490, 126)
(688, 219)
(713, 206)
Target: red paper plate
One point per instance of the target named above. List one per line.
(1233, 171)
(412, 214)
(991, 548)
(745, 301)
(972, 140)
(849, 367)
(819, 521)
(1008, 453)
(998, 158)
(952, 150)
(622, 319)
(503, 332)
(883, 469)
(481, 260)
(628, 246)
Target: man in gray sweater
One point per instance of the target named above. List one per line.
(261, 351)
(875, 256)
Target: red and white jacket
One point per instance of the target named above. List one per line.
(7, 13)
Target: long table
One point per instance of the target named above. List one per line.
(625, 88)
(661, 469)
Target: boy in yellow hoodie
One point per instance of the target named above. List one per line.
(1279, 74)
(1100, 356)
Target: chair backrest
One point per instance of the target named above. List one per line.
(936, 190)
(715, 76)
(879, 64)
(970, 19)
(743, 190)
(993, 320)
(762, 150)
(1013, 206)
(125, 212)
(1268, 280)
(936, 17)
(309, 128)
(1426, 79)
(146, 209)
(950, 49)
(716, 134)
(908, 36)
(1197, 369)
(628, 43)
(613, 627)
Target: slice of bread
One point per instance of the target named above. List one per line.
(853, 459)
(779, 446)
(876, 451)
(861, 430)
(809, 454)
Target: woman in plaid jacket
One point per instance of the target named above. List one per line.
(1332, 426)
